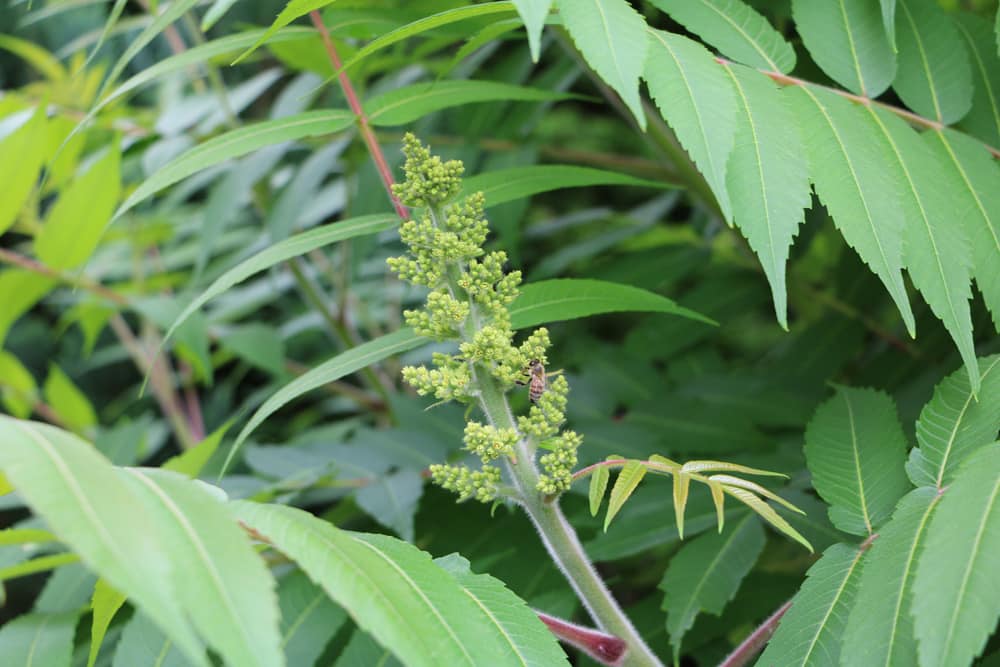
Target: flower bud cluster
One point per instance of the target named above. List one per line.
(558, 463)
(469, 299)
(480, 484)
(489, 442)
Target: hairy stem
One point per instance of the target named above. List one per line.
(755, 643)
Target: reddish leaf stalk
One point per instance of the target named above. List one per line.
(366, 129)
(606, 649)
(755, 643)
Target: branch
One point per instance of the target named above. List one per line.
(755, 643)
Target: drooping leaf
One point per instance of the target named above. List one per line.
(505, 185)
(847, 39)
(219, 579)
(767, 177)
(376, 577)
(811, 633)
(705, 574)
(236, 143)
(426, 23)
(855, 450)
(953, 424)
(20, 289)
(681, 487)
(936, 251)
(65, 481)
(628, 479)
(406, 104)
(39, 639)
(956, 593)
(613, 39)
(735, 29)
(879, 627)
(983, 119)
(170, 13)
(293, 10)
(530, 642)
(598, 485)
(977, 180)
(105, 604)
(77, 219)
(534, 13)
(696, 98)
(37, 56)
(561, 299)
(933, 75)
(767, 513)
(69, 403)
(291, 247)
(19, 176)
(18, 389)
(309, 619)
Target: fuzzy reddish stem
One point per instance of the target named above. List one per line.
(366, 129)
(606, 649)
(755, 643)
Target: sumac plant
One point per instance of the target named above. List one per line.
(680, 347)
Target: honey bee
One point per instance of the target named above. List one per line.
(538, 382)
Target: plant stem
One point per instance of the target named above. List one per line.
(352, 101)
(754, 644)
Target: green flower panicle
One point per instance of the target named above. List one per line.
(469, 297)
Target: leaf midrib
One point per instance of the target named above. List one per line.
(855, 452)
(923, 59)
(833, 603)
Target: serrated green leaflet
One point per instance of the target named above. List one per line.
(937, 253)
(810, 634)
(855, 450)
(525, 638)
(696, 98)
(879, 627)
(217, 575)
(847, 39)
(860, 194)
(376, 577)
(66, 481)
(956, 594)
(933, 76)
(598, 485)
(977, 193)
(953, 424)
(409, 103)
(734, 28)
(705, 574)
(983, 119)
(505, 185)
(767, 177)
(613, 39)
(628, 479)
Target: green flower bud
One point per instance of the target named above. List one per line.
(489, 442)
